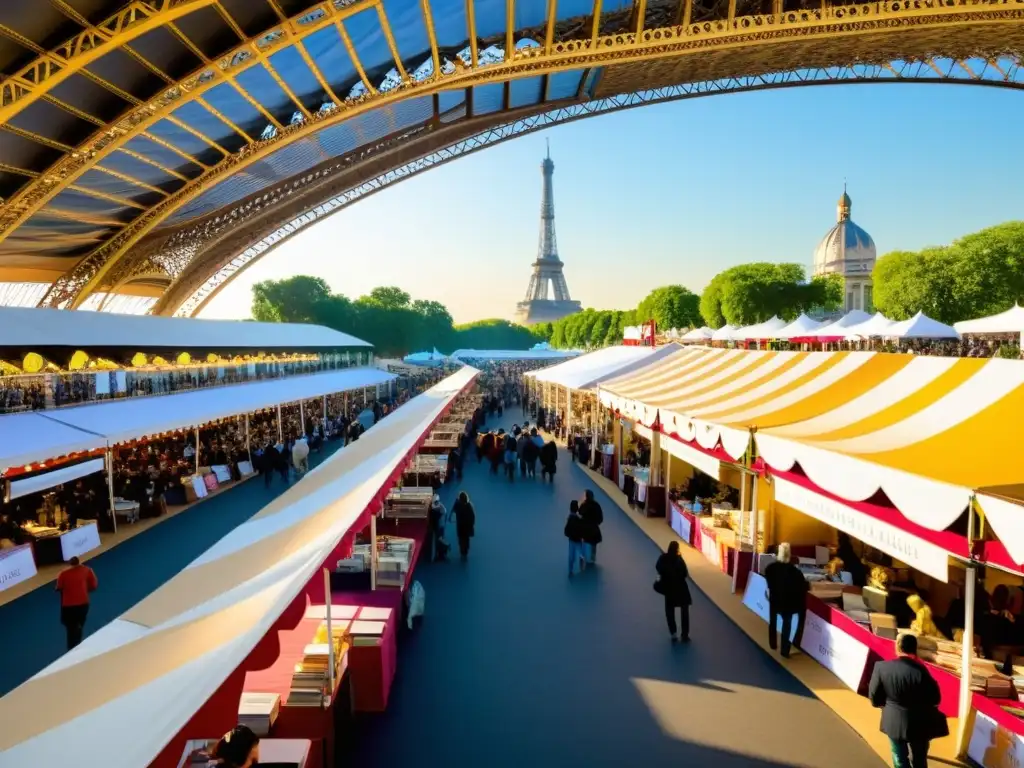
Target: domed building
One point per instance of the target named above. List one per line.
(849, 251)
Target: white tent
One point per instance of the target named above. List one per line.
(588, 370)
(766, 330)
(424, 358)
(150, 670)
(725, 333)
(802, 326)
(842, 325)
(876, 325)
(699, 334)
(30, 437)
(513, 354)
(37, 328)
(920, 326)
(1010, 321)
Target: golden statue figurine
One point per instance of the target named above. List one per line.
(922, 624)
(834, 568)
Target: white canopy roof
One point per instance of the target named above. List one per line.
(724, 333)
(766, 330)
(586, 371)
(698, 334)
(876, 325)
(149, 671)
(802, 326)
(1010, 321)
(839, 327)
(26, 438)
(920, 326)
(513, 354)
(34, 328)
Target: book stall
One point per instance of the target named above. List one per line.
(253, 631)
(441, 442)
(281, 753)
(427, 470)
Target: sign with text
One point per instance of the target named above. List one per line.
(756, 599)
(915, 552)
(994, 746)
(709, 548)
(681, 524)
(16, 565)
(835, 650)
(77, 542)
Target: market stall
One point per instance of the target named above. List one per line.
(164, 670)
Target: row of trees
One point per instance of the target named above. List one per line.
(979, 274)
(387, 317)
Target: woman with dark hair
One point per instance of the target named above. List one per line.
(671, 583)
(548, 461)
(239, 748)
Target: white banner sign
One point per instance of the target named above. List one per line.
(994, 746)
(223, 473)
(199, 487)
(709, 465)
(79, 541)
(835, 650)
(16, 565)
(52, 479)
(915, 552)
(709, 548)
(681, 524)
(756, 599)
(245, 468)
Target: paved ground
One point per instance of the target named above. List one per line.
(31, 635)
(517, 665)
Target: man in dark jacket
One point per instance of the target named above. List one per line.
(593, 516)
(465, 523)
(909, 699)
(787, 597)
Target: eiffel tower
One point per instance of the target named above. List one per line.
(547, 269)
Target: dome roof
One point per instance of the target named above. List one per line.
(846, 249)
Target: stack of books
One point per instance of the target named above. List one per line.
(259, 711)
(309, 681)
(366, 632)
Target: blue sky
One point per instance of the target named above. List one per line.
(674, 194)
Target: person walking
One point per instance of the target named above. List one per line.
(435, 527)
(548, 461)
(671, 583)
(591, 514)
(74, 584)
(521, 444)
(787, 597)
(510, 457)
(465, 523)
(909, 698)
(574, 529)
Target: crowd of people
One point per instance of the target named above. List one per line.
(28, 392)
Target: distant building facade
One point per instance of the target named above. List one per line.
(848, 251)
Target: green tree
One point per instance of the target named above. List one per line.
(751, 293)
(294, 300)
(903, 285)
(671, 306)
(388, 297)
(494, 334)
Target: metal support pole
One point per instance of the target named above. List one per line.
(280, 429)
(197, 450)
(755, 524)
(568, 414)
(963, 734)
(325, 411)
(110, 485)
(248, 445)
(330, 636)
(373, 552)
(302, 418)
(739, 537)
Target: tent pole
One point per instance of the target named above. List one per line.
(280, 431)
(963, 734)
(325, 412)
(110, 485)
(739, 537)
(197, 450)
(568, 415)
(373, 552)
(755, 524)
(302, 418)
(248, 447)
(330, 635)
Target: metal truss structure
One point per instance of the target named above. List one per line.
(1008, 75)
(654, 50)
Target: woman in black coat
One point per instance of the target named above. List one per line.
(548, 460)
(465, 523)
(672, 576)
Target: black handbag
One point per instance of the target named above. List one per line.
(659, 587)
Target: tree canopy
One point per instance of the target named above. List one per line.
(387, 317)
(752, 293)
(979, 274)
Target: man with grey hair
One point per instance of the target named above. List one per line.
(787, 598)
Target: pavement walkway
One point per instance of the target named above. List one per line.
(516, 664)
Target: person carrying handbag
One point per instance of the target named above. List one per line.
(672, 585)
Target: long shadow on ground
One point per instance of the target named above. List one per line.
(516, 665)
